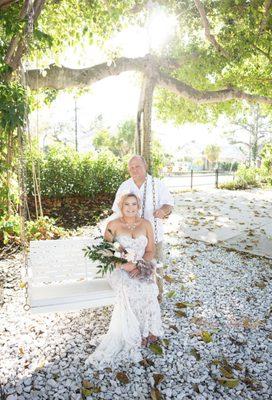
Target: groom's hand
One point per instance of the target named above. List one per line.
(159, 214)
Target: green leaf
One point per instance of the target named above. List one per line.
(196, 354)
(206, 337)
(156, 349)
(215, 361)
(165, 342)
(171, 294)
(168, 278)
(227, 373)
(229, 383)
(86, 392)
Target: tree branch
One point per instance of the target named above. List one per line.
(6, 3)
(63, 78)
(205, 97)
(239, 142)
(262, 51)
(18, 44)
(267, 6)
(206, 26)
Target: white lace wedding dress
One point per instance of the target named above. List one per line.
(136, 313)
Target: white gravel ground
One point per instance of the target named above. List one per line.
(229, 296)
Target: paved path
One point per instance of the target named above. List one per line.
(241, 220)
(199, 180)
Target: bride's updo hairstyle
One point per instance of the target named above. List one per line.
(125, 197)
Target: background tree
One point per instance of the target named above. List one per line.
(266, 155)
(212, 152)
(220, 55)
(102, 139)
(121, 143)
(256, 129)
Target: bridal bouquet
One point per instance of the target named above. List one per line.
(109, 254)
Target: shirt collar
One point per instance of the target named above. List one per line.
(148, 180)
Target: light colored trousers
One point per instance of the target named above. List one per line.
(159, 278)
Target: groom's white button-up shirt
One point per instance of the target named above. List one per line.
(162, 196)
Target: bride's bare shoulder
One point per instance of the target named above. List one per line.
(145, 222)
(113, 223)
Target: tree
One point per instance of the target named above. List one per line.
(212, 152)
(256, 130)
(198, 77)
(266, 155)
(124, 141)
(102, 139)
(121, 144)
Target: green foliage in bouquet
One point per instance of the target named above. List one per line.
(107, 253)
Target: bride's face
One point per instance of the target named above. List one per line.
(130, 207)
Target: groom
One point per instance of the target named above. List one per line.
(157, 204)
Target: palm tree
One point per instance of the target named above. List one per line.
(212, 152)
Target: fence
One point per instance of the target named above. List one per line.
(194, 179)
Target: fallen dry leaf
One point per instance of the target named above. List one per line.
(158, 378)
(156, 394)
(122, 377)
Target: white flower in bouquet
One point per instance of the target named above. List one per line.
(117, 254)
(116, 245)
(130, 256)
(105, 252)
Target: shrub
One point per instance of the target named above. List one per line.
(64, 172)
(41, 229)
(234, 185)
(228, 166)
(245, 177)
(10, 229)
(266, 168)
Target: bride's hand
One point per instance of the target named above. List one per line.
(128, 266)
(134, 273)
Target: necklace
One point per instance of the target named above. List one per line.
(131, 227)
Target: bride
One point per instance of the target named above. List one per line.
(136, 319)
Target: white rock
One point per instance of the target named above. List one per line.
(27, 381)
(27, 389)
(52, 383)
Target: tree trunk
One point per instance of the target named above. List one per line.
(9, 170)
(144, 116)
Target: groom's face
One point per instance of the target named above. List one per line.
(137, 169)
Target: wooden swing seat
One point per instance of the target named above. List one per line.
(61, 278)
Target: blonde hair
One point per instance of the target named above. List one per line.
(125, 197)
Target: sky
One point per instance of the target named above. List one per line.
(116, 98)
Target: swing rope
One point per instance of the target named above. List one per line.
(23, 135)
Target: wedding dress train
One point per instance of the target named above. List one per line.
(136, 313)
